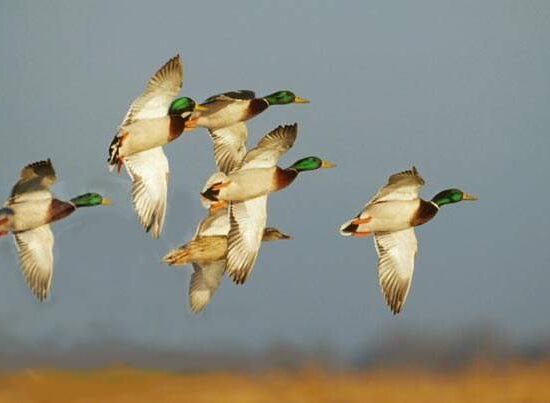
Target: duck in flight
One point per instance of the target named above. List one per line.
(246, 190)
(390, 217)
(207, 252)
(154, 119)
(28, 213)
(225, 119)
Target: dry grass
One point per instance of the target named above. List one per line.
(517, 383)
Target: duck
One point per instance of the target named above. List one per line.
(28, 213)
(153, 120)
(207, 252)
(390, 217)
(246, 190)
(229, 108)
(225, 117)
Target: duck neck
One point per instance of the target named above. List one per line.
(177, 124)
(59, 209)
(256, 106)
(284, 177)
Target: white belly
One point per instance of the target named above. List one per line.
(389, 216)
(248, 184)
(225, 116)
(29, 215)
(145, 135)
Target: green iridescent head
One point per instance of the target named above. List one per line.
(90, 199)
(284, 98)
(181, 105)
(310, 164)
(450, 196)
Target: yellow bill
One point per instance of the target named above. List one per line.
(327, 164)
(300, 100)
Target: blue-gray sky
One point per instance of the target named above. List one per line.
(459, 89)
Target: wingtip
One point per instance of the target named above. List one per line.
(199, 301)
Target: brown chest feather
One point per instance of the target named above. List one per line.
(426, 211)
(284, 177)
(177, 124)
(256, 106)
(59, 209)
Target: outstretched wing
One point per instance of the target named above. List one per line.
(35, 182)
(205, 281)
(149, 172)
(271, 147)
(239, 95)
(229, 146)
(401, 186)
(396, 254)
(161, 90)
(247, 222)
(35, 248)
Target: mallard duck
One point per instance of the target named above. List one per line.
(207, 252)
(390, 216)
(154, 119)
(229, 108)
(246, 190)
(28, 213)
(225, 119)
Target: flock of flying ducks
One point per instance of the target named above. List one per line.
(227, 241)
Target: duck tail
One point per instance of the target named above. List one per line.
(114, 158)
(179, 257)
(217, 177)
(212, 193)
(6, 215)
(348, 228)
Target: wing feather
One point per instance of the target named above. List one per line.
(396, 255)
(205, 281)
(161, 90)
(229, 146)
(247, 222)
(404, 185)
(149, 171)
(35, 248)
(239, 95)
(34, 182)
(271, 147)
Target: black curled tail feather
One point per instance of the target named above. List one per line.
(348, 228)
(211, 194)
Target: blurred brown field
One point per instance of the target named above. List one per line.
(478, 383)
